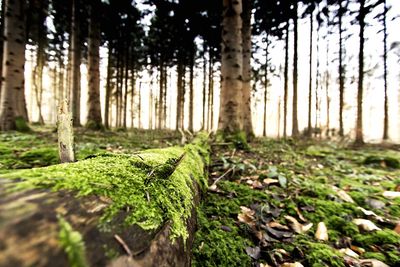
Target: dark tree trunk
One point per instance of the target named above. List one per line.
(75, 64)
(295, 126)
(266, 88)
(191, 92)
(108, 90)
(309, 126)
(385, 75)
(341, 71)
(204, 86)
(179, 105)
(360, 90)
(286, 81)
(210, 94)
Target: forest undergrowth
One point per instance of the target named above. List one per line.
(301, 203)
(280, 203)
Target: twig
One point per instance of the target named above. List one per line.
(222, 176)
(124, 245)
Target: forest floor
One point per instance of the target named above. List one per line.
(267, 206)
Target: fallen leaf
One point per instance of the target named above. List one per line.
(397, 228)
(282, 181)
(255, 252)
(226, 228)
(295, 264)
(298, 227)
(277, 233)
(358, 249)
(342, 195)
(391, 194)
(264, 265)
(246, 216)
(257, 185)
(371, 214)
(301, 217)
(373, 263)
(349, 252)
(278, 225)
(322, 232)
(269, 181)
(366, 225)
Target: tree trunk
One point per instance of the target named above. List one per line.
(204, 86)
(385, 75)
(2, 15)
(266, 87)
(140, 106)
(246, 78)
(161, 96)
(12, 101)
(191, 91)
(75, 64)
(309, 126)
(133, 85)
(317, 83)
(286, 82)
(295, 126)
(108, 89)
(94, 121)
(210, 94)
(327, 84)
(179, 106)
(360, 90)
(341, 71)
(126, 91)
(230, 118)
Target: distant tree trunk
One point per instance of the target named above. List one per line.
(286, 81)
(246, 78)
(108, 90)
(161, 96)
(75, 64)
(204, 87)
(118, 90)
(309, 126)
(317, 81)
(385, 74)
(164, 113)
(126, 88)
(359, 125)
(133, 85)
(94, 121)
(295, 126)
(230, 119)
(2, 14)
(140, 106)
(210, 94)
(151, 105)
(179, 106)
(327, 84)
(266, 87)
(12, 101)
(191, 91)
(341, 71)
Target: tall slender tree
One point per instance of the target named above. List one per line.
(295, 122)
(75, 63)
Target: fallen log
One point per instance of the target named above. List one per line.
(108, 210)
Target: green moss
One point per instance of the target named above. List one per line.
(378, 161)
(320, 255)
(21, 125)
(374, 255)
(40, 157)
(238, 139)
(72, 243)
(382, 237)
(124, 179)
(95, 126)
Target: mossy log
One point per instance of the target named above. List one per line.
(107, 210)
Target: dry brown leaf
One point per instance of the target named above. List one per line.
(295, 264)
(391, 194)
(358, 249)
(349, 252)
(322, 232)
(397, 228)
(371, 213)
(246, 216)
(278, 226)
(301, 217)
(298, 227)
(373, 263)
(264, 265)
(257, 185)
(366, 225)
(342, 194)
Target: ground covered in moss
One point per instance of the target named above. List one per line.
(268, 206)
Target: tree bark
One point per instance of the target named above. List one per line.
(247, 52)
(179, 105)
(75, 64)
(286, 81)
(385, 75)
(230, 118)
(94, 120)
(295, 126)
(341, 71)
(360, 90)
(191, 92)
(108, 89)
(309, 126)
(12, 101)
(266, 87)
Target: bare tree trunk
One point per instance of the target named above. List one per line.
(286, 81)
(108, 90)
(246, 78)
(133, 85)
(341, 72)
(210, 94)
(295, 126)
(191, 91)
(126, 89)
(94, 121)
(204, 86)
(2, 15)
(75, 64)
(266, 87)
(140, 106)
(309, 126)
(230, 117)
(385, 75)
(317, 82)
(179, 108)
(359, 125)
(12, 101)
(327, 84)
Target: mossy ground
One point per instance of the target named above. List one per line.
(306, 172)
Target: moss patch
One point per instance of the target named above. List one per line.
(132, 182)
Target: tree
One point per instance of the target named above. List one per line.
(295, 126)
(385, 74)
(246, 38)
(230, 119)
(75, 63)
(94, 110)
(12, 100)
